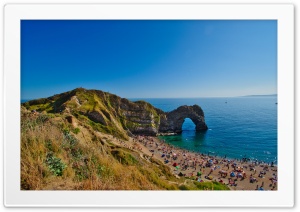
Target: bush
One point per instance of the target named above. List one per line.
(55, 165)
(76, 130)
(183, 187)
(69, 139)
(42, 119)
(66, 131)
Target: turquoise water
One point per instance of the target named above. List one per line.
(238, 127)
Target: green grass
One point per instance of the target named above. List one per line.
(124, 157)
(194, 185)
(76, 130)
(108, 129)
(41, 107)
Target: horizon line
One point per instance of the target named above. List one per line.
(252, 95)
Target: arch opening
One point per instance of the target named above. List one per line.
(188, 125)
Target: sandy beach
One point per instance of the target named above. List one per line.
(237, 174)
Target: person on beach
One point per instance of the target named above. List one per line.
(191, 163)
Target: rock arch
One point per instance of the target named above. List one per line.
(172, 122)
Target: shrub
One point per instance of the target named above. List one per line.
(76, 130)
(42, 119)
(183, 187)
(66, 131)
(55, 165)
(69, 139)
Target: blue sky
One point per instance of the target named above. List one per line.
(149, 59)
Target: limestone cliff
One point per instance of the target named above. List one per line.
(118, 116)
(172, 121)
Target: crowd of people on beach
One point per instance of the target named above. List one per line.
(204, 167)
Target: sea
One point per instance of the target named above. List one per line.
(239, 127)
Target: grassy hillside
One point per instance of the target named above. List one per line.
(63, 149)
(80, 103)
(103, 111)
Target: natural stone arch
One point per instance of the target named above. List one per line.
(188, 124)
(173, 120)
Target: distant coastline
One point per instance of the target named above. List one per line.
(267, 95)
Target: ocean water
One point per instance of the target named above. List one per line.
(238, 127)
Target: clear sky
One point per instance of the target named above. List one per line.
(174, 58)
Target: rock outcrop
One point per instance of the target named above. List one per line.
(119, 116)
(173, 120)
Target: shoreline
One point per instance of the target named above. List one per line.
(238, 175)
(210, 153)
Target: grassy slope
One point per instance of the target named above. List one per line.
(80, 102)
(56, 154)
(54, 157)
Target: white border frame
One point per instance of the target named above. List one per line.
(14, 197)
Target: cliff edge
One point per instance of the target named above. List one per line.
(118, 116)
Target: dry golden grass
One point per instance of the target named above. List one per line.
(54, 158)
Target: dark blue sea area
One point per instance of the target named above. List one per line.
(240, 127)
